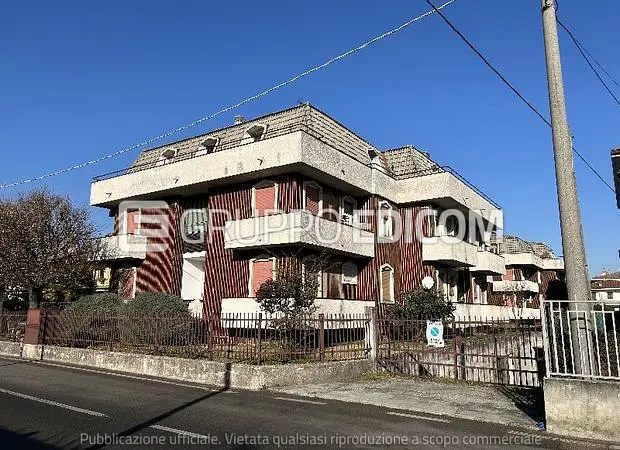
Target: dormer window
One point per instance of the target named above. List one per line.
(208, 146)
(167, 156)
(254, 133)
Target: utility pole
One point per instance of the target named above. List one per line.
(577, 278)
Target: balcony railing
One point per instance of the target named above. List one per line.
(298, 228)
(516, 286)
(456, 254)
(123, 246)
(490, 263)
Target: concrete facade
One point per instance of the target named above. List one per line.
(583, 408)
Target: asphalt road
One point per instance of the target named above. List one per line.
(45, 406)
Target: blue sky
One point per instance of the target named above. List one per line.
(79, 80)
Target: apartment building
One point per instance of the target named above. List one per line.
(530, 268)
(606, 287)
(244, 202)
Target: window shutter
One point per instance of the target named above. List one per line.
(262, 270)
(312, 200)
(386, 284)
(264, 199)
(132, 222)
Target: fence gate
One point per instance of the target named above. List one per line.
(499, 351)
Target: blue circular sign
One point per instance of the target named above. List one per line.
(434, 331)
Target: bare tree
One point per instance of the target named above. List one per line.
(46, 243)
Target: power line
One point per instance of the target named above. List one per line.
(582, 51)
(513, 89)
(232, 107)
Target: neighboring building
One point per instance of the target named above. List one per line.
(606, 287)
(530, 267)
(266, 181)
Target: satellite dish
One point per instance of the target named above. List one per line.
(428, 283)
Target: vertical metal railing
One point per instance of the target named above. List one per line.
(587, 330)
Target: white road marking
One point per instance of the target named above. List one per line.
(177, 431)
(122, 375)
(312, 402)
(53, 403)
(414, 416)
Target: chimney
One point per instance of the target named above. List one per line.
(239, 119)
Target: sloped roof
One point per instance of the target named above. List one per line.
(302, 117)
(514, 244)
(407, 162)
(608, 276)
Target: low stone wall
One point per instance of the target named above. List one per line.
(213, 373)
(582, 408)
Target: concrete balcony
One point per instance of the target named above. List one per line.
(457, 254)
(122, 247)
(489, 263)
(553, 264)
(530, 259)
(523, 259)
(515, 286)
(298, 228)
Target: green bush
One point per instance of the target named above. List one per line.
(421, 304)
(156, 319)
(96, 303)
(155, 303)
(90, 320)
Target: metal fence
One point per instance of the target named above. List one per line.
(251, 338)
(498, 351)
(12, 325)
(583, 338)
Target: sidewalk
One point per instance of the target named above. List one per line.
(502, 404)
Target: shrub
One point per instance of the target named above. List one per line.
(89, 320)
(421, 304)
(95, 303)
(156, 318)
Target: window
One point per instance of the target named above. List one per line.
(610, 295)
(264, 196)
(313, 197)
(208, 146)
(166, 157)
(386, 289)
(347, 211)
(261, 270)
(386, 220)
(194, 220)
(349, 273)
(254, 133)
(452, 226)
(131, 222)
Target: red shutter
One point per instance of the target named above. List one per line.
(261, 272)
(264, 199)
(312, 200)
(132, 222)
